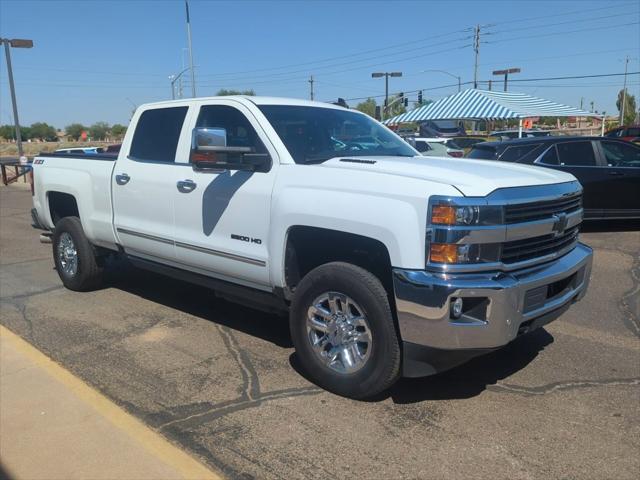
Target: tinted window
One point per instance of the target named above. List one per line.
(633, 132)
(550, 157)
(516, 152)
(240, 133)
(619, 154)
(576, 153)
(316, 134)
(483, 153)
(157, 133)
(422, 146)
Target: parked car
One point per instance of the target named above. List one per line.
(511, 134)
(386, 264)
(442, 128)
(75, 150)
(435, 147)
(607, 168)
(629, 133)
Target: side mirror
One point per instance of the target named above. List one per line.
(209, 151)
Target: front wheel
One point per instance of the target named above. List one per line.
(343, 331)
(74, 256)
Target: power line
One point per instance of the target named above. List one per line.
(551, 34)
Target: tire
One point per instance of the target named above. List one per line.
(87, 274)
(365, 295)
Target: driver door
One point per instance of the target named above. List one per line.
(222, 216)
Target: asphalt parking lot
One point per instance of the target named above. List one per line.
(221, 381)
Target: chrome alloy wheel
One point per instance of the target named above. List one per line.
(339, 332)
(67, 254)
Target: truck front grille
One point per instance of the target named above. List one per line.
(527, 212)
(521, 250)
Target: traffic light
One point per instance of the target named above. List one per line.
(420, 97)
(406, 102)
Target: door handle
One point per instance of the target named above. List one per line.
(122, 179)
(186, 186)
(616, 173)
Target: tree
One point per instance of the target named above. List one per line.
(8, 132)
(75, 130)
(43, 131)
(629, 107)
(118, 131)
(99, 131)
(223, 92)
(368, 107)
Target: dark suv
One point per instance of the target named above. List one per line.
(607, 168)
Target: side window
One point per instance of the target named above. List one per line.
(550, 157)
(633, 132)
(515, 153)
(240, 133)
(576, 154)
(157, 134)
(620, 154)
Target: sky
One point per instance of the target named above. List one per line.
(96, 60)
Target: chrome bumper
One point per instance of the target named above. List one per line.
(499, 305)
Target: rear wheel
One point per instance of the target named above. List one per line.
(74, 256)
(343, 331)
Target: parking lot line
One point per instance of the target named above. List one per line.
(58, 389)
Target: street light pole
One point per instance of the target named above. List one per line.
(506, 73)
(193, 76)
(446, 73)
(386, 76)
(624, 90)
(15, 43)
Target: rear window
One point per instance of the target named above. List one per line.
(157, 134)
(517, 152)
(576, 153)
(483, 153)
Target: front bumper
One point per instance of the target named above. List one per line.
(499, 305)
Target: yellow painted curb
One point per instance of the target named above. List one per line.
(150, 440)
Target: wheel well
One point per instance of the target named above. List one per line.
(62, 205)
(310, 247)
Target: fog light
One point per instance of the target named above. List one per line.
(456, 308)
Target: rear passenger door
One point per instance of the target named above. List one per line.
(622, 166)
(579, 159)
(143, 185)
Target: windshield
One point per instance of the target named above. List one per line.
(316, 134)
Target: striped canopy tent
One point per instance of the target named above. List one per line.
(475, 104)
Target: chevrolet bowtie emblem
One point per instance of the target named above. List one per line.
(560, 223)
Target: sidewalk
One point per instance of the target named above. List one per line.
(54, 426)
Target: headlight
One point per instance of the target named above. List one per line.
(451, 215)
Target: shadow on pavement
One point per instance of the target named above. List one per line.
(600, 226)
(472, 378)
(465, 381)
(198, 301)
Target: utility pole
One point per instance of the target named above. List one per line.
(15, 43)
(624, 90)
(476, 48)
(506, 73)
(311, 86)
(193, 75)
(386, 76)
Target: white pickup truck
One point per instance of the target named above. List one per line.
(389, 263)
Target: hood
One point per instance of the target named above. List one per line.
(474, 178)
